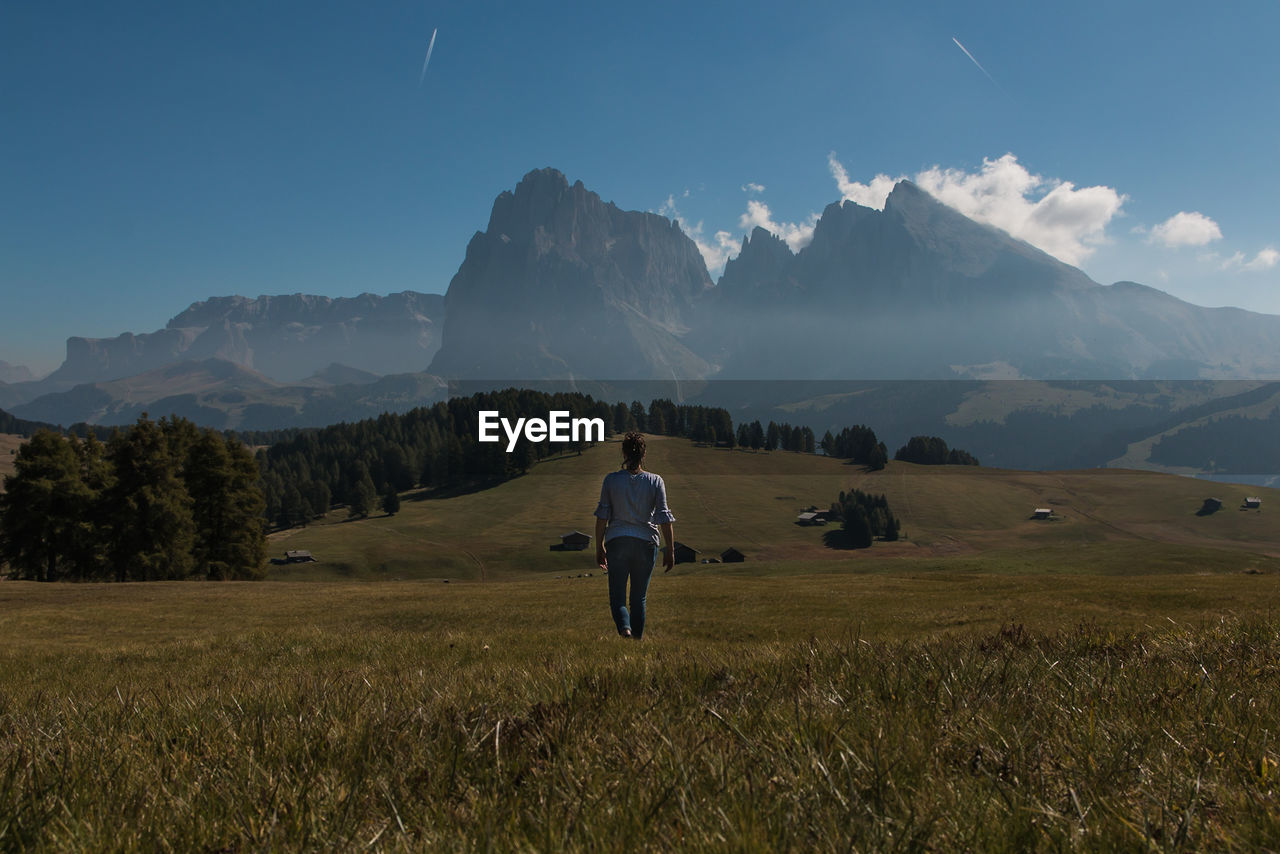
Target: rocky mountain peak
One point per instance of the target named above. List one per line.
(557, 269)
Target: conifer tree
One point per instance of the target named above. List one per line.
(390, 502)
(226, 508)
(150, 530)
(42, 508)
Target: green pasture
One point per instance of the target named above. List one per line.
(953, 517)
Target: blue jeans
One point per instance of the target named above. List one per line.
(629, 558)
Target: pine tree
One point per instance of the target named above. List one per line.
(858, 528)
(390, 502)
(363, 497)
(772, 437)
(226, 507)
(89, 558)
(150, 530)
(42, 508)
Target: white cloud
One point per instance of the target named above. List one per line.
(795, 235)
(715, 252)
(1048, 213)
(1186, 228)
(1264, 260)
(752, 187)
(868, 195)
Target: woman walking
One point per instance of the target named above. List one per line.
(633, 506)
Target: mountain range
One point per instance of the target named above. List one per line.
(562, 285)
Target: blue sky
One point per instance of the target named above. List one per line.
(155, 154)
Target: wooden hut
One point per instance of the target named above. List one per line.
(685, 554)
(574, 541)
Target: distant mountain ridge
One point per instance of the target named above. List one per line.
(562, 285)
(918, 290)
(221, 394)
(15, 373)
(285, 337)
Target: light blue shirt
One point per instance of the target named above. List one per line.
(634, 505)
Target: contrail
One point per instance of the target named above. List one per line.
(953, 38)
(431, 46)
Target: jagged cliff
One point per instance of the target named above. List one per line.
(561, 284)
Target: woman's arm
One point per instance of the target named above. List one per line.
(601, 558)
(669, 553)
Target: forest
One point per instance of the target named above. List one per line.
(161, 500)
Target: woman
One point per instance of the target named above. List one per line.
(633, 505)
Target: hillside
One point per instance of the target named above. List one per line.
(959, 518)
(9, 443)
(227, 396)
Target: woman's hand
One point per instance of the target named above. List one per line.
(668, 558)
(601, 558)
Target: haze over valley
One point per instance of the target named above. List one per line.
(562, 286)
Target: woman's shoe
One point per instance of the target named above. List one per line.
(626, 633)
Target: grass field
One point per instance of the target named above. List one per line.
(869, 712)
(953, 517)
(1108, 681)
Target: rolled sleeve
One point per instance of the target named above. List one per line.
(661, 512)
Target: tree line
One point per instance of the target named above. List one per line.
(1230, 443)
(859, 445)
(167, 499)
(159, 500)
(366, 464)
(933, 451)
(12, 424)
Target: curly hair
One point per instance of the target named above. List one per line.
(633, 449)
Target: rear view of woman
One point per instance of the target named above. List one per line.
(632, 508)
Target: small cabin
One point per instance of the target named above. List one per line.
(1254, 503)
(574, 541)
(807, 518)
(685, 554)
(299, 556)
(732, 555)
(1041, 513)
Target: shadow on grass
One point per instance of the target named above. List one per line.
(839, 538)
(1210, 506)
(455, 490)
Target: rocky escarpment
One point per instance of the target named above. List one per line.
(918, 290)
(284, 337)
(562, 284)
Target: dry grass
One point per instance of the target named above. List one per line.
(1107, 682)
(856, 712)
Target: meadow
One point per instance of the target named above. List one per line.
(1106, 681)
(957, 517)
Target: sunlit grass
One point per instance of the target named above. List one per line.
(937, 712)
